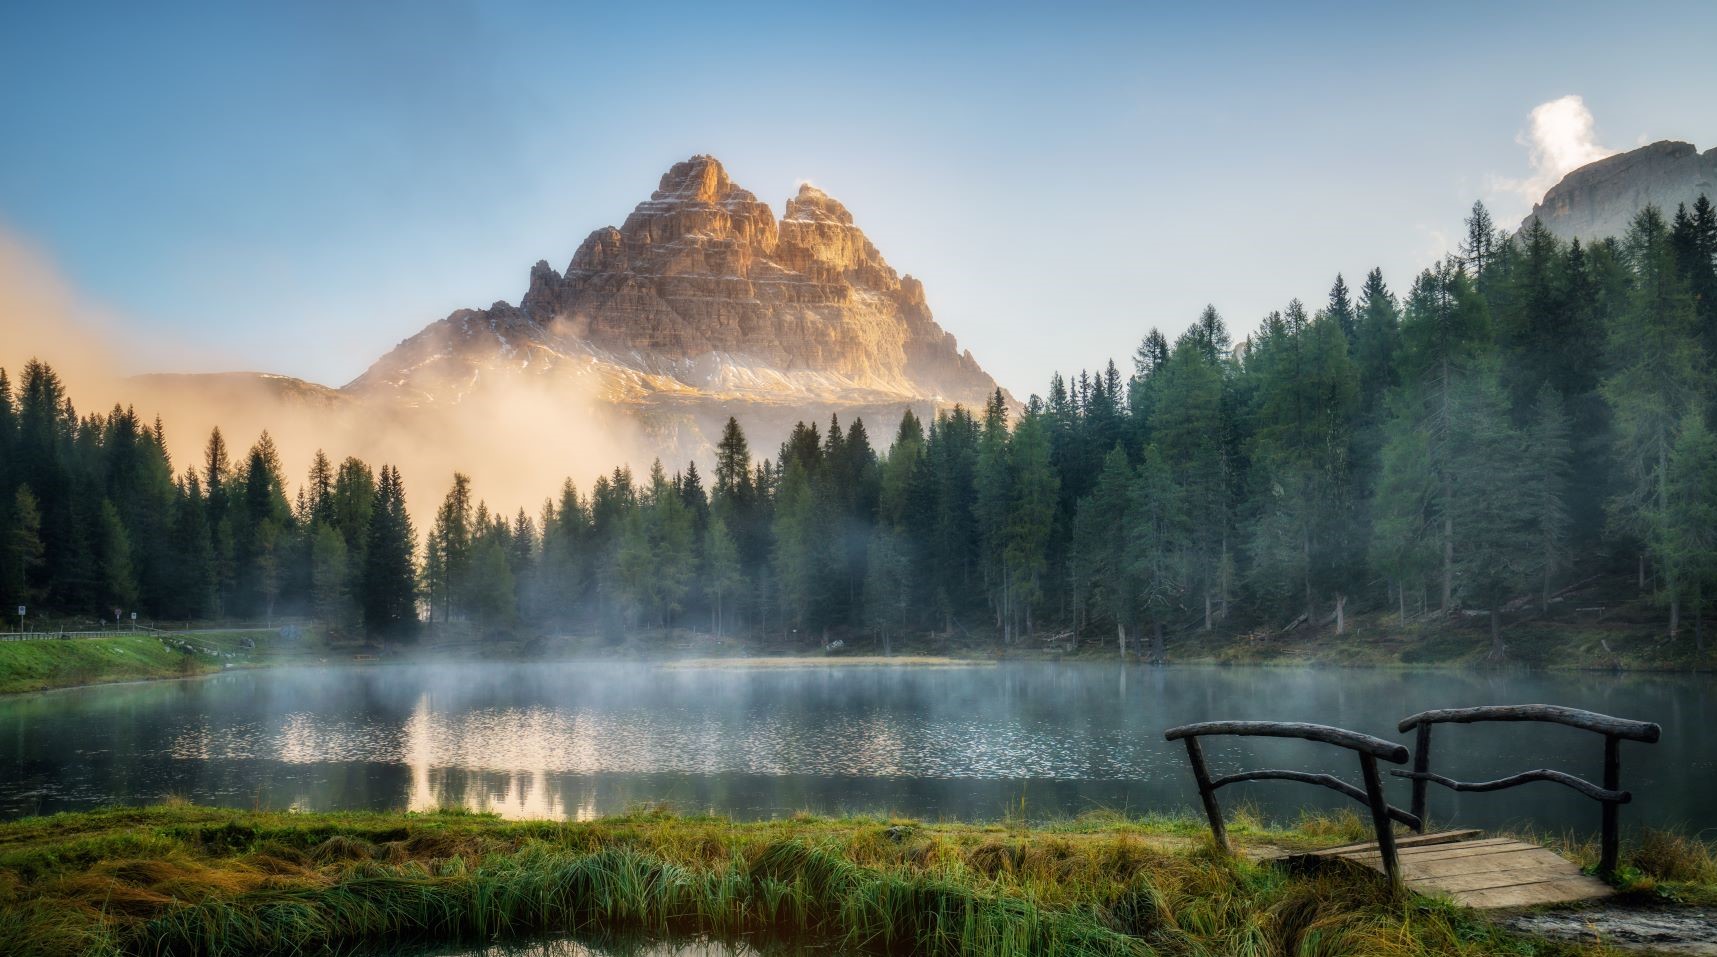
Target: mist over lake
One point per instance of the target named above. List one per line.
(583, 739)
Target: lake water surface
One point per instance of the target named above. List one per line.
(578, 740)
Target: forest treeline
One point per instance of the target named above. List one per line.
(1527, 412)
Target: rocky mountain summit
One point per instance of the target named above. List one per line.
(1600, 199)
(702, 295)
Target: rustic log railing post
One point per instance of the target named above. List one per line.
(1380, 816)
(1369, 749)
(1206, 793)
(1612, 830)
(1610, 796)
(1421, 764)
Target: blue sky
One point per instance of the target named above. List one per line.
(297, 187)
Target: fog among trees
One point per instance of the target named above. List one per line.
(1516, 418)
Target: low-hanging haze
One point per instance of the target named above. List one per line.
(296, 187)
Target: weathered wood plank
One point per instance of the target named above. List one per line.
(1530, 895)
(1438, 851)
(1489, 873)
(1488, 880)
(1489, 864)
(1403, 843)
(1463, 845)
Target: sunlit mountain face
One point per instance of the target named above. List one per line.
(702, 305)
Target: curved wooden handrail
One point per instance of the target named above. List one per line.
(1325, 780)
(1555, 714)
(1525, 777)
(1610, 796)
(1341, 737)
(1369, 750)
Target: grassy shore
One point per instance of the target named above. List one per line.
(59, 663)
(191, 880)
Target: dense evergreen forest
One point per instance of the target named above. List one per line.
(1527, 414)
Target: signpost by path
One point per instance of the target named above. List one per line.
(21, 610)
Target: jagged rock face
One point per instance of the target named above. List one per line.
(1601, 199)
(703, 294)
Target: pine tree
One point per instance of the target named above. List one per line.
(1341, 309)
(1189, 428)
(1444, 327)
(1152, 526)
(888, 587)
(491, 593)
(1377, 340)
(329, 578)
(1405, 524)
(1034, 492)
(194, 582)
(1655, 377)
(1497, 549)
(993, 496)
(1686, 534)
(1103, 573)
(117, 583)
(21, 552)
(1480, 245)
(1306, 532)
(450, 542)
(1548, 463)
(390, 582)
(723, 575)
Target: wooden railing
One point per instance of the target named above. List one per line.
(1370, 751)
(1611, 795)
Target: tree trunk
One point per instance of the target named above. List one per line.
(1448, 597)
(1306, 551)
(1340, 614)
(1674, 615)
(1121, 637)
(1158, 653)
(1448, 499)
(1642, 571)
(1544, 604)
(1401, 596)
(1226, 584)
(1207, 608)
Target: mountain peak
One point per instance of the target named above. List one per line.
(814, 205)
(701, 300)
(701, 179)
(1600, 199)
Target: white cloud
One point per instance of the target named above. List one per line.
(1561, 137)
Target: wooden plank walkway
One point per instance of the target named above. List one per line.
(1483, 873)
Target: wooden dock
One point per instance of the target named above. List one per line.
(1483, 873)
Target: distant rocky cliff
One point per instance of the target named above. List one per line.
(701, 305)
(1600, 199)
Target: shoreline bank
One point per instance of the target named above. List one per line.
(187, 879)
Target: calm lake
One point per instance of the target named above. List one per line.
(578, 740)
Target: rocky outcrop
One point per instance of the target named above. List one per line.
(1601, 199)
(702, 294)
